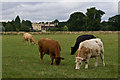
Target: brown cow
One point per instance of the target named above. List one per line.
(29, 38)
(50, 47)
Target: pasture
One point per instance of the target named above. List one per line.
(22, 61)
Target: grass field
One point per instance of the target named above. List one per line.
(19, 61)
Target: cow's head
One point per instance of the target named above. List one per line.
(78, 61)
(57, 60)
(33, 41)
(73, 50)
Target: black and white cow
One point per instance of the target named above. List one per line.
(79, 40)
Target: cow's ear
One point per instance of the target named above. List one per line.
(62, 58)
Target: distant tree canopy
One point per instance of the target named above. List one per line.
(93, 19)
(26, 26)
(84, 22)
(113, 24)
(78, 21)
(17, 25)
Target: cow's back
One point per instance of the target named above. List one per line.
(93, 45)
(84, 37)
(27, 36)
(48, 45)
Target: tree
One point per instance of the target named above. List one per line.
(93, 19)
(65, 28)
(26, 25)
(17, 23)
(61, 25)
(76, 21)
(9, 27)
(114, 22)
(55, 22)
(3, 26)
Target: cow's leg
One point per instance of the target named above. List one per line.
(102, 58)
(52, 58)
(41, 54)
(87, 61)
(52, 61)
(24, 42)
(29, 41)
(96, 61)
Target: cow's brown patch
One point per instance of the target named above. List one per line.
(84, 51)
(99, 45)
(96, 41)
(96, 51)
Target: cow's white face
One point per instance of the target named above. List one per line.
(78, 62)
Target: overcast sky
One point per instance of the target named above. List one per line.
(49, 11)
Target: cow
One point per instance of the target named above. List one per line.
(50, 47)
(28, 38)
(89, 49)
(79, 40)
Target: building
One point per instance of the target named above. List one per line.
(42, 26)
(36, 26)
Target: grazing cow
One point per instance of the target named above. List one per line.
(29, 38)
(50, 47)
(79, 40)
(89, 49)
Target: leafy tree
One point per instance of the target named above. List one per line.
(93, 19)
(17, 23)
(76, 21)
(4, 24)
(26, 25)
(65, 28)
(9, 27)
(60, 25)
(55, 22)
(13, 23)
(114, 22)
(54, 29)
(1, 26)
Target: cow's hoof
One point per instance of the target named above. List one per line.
(51, 63)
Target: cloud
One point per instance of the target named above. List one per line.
(59, 0)
(49, 11)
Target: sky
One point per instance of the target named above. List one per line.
(46, 11)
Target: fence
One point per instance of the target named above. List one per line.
(62, 32)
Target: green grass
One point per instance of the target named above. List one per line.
(19, 61)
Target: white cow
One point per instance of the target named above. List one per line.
(89, 49)
(29, 38)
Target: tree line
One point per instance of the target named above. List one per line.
(78, 21)
(17, 25)
(90, 21)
